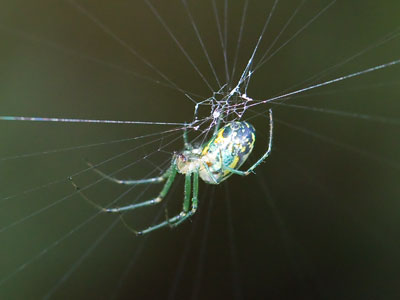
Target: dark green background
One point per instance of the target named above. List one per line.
(319, 220)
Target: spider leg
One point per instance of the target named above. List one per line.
(170, 173)
(194, 201)
(171, 177)
(217, 126)
(170, 221)
(129, 182)
(266, 154)
(186, 143)
(209, 172)
(185, 213)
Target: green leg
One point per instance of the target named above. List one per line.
(194, 201)
(185, 213)
(266, 154)
(130, 182)
(195, 192)
(171, 177)
(217, 126)
(187, 192)
(186, 143)
(170, 174)
(209, 172)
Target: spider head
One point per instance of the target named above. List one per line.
(181, 158)
(187, 161)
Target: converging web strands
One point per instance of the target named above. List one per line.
(115, 84)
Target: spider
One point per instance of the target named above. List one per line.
(217, 160)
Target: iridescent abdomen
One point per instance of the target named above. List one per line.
(233, 143)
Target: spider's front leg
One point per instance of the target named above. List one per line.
(169, 174)
(186, 143)
(129, 181)
(171, 177)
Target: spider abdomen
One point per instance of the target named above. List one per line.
(228, 149)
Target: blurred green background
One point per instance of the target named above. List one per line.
(319, 220)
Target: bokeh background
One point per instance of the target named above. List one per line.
(319, 220)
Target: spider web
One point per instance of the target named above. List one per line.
(246, 67)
